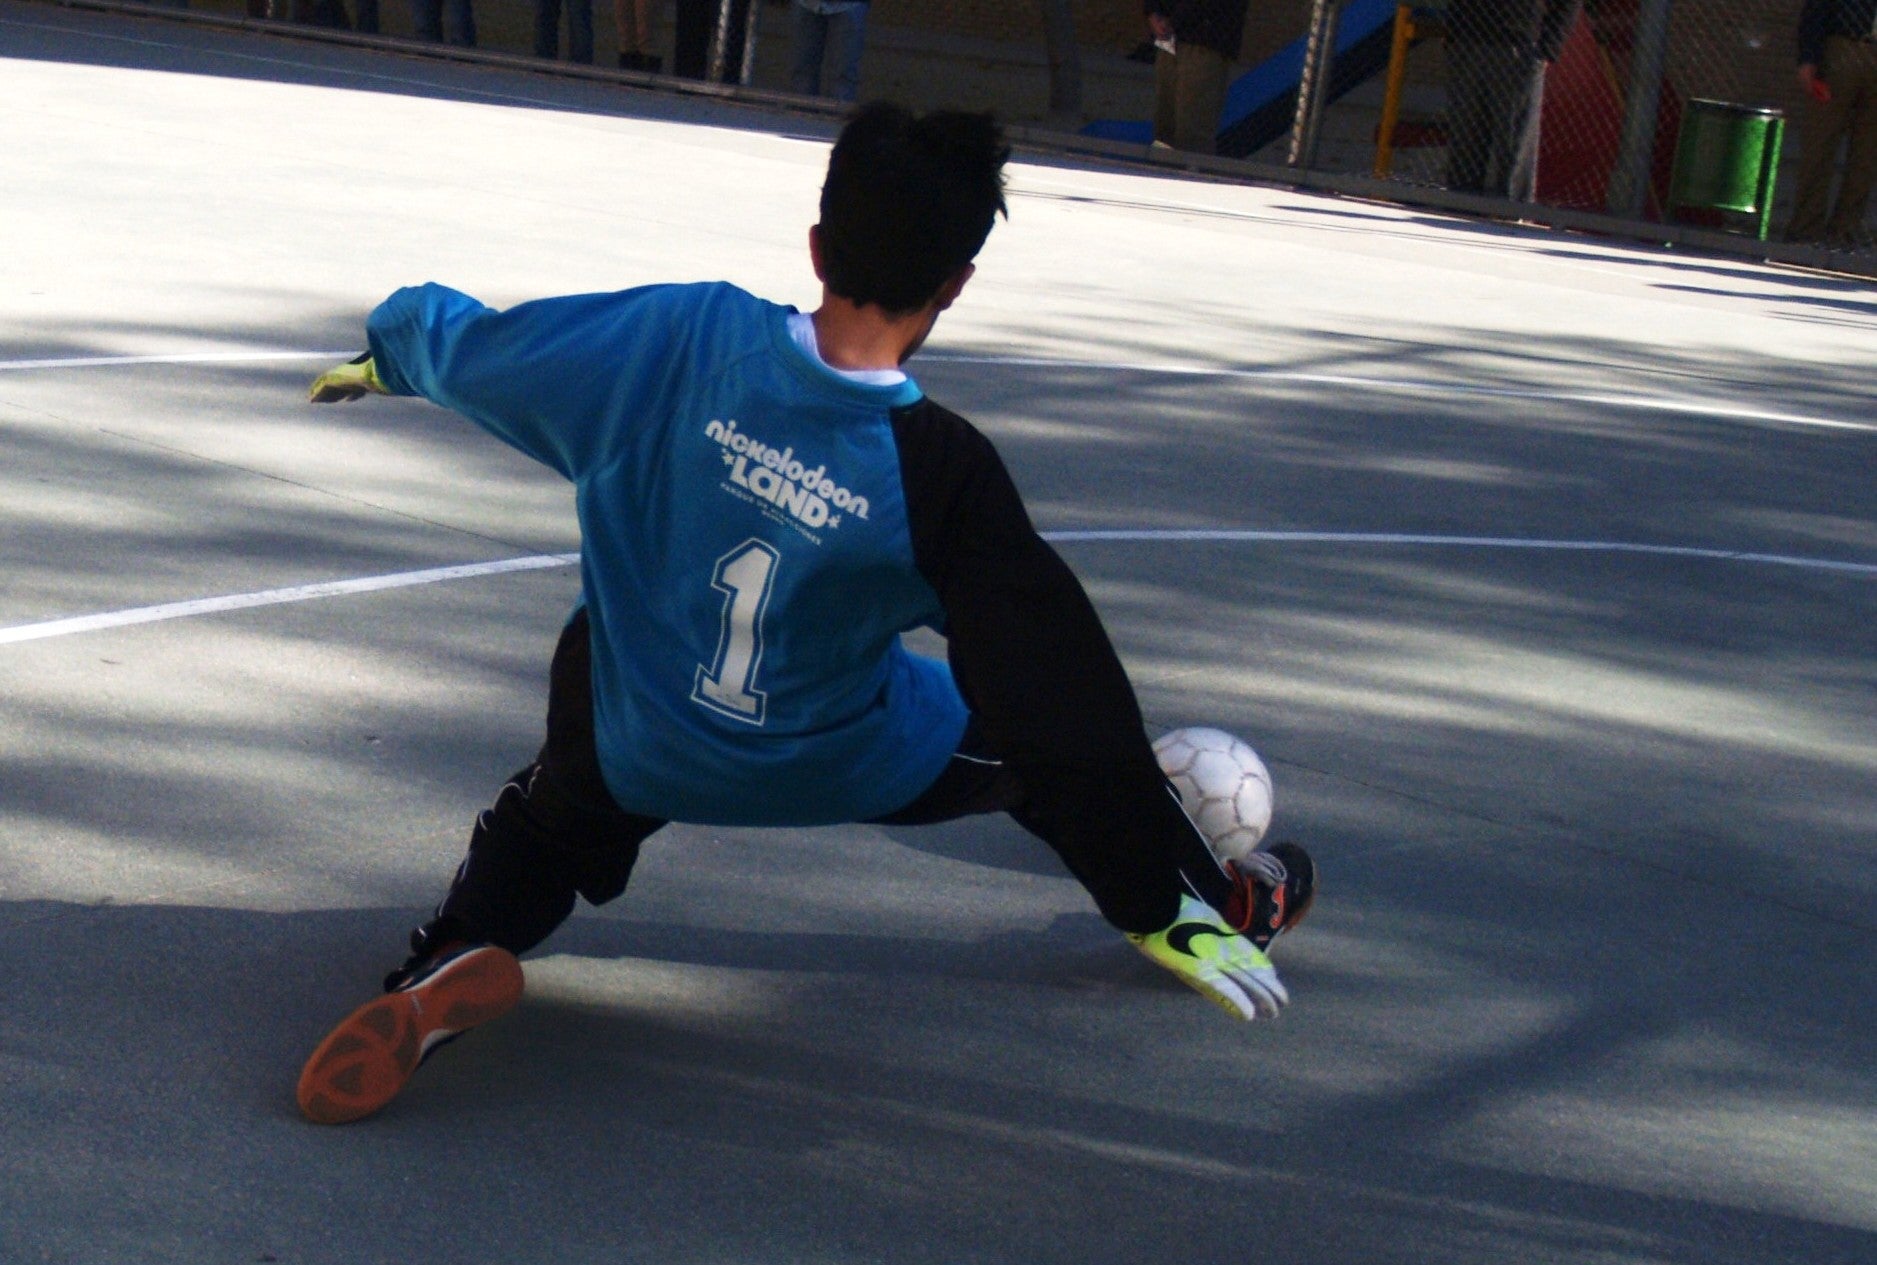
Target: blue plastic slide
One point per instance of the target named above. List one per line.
(1261, 104)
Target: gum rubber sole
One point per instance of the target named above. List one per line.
(365, 1061)
(1293, 856)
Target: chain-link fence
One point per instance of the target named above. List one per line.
(1685, 112)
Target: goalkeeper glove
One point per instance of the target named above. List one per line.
(1221, 965)
(348, 381)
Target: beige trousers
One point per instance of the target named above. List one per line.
(1189, 94)
(1850, 69)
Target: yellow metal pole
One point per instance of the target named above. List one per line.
(1391, 97)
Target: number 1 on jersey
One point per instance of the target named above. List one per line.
(745, 577)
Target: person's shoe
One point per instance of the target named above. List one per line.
(650, 63)
(1216, 962)
(370, 1056)
(1273, 888)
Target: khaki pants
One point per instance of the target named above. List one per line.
(1850, 68)
(1189, 95)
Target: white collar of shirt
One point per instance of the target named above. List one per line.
(802, 330)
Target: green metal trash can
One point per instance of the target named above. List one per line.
(1726, 158)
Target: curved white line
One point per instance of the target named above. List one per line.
(1404, 386)
(177, 358)
(1467, 542)
(437, 575)
(1411, 386)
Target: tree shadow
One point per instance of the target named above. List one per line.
(782, 1097)
(1528, 687)
(1595, 831)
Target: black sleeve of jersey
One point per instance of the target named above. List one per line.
(1036, 667)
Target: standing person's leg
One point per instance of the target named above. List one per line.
(733, 43)
(628, 33)
(1859, 75)
(849, 33)
(1524, 134)
(642, 23)
(696, 23)
(1200, 98)
(580, 32)
(1504, 100)
(1470, 127)
(547, 28)
(1166, 95)
(808, 35)
(1821, 123)
(427, 20)
(462, 23)
(633, 20)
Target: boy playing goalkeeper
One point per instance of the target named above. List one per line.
(766, 503)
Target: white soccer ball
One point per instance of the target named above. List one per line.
(1223, 785)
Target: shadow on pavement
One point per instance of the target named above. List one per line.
(933, 1113)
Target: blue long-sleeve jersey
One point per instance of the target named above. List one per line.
(757, 530)
(746, 559)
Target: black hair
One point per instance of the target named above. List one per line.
(908, 201)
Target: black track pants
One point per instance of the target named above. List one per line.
(554, 833)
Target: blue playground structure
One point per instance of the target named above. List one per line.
(1261, 104)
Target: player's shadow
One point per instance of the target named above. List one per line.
(792, 1098)
(1066, 949)
(992, 840)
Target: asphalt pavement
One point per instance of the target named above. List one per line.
(1541, 569)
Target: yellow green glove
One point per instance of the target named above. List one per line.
(348, 381)
(1221, 965)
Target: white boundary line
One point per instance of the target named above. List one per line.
(177, 358)
(277, 597)
(1466, 542)
(1410, 386)
(1400, 386)
(538, 562)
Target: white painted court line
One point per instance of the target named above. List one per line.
(1405, 386)
(176, 358)
(1468, 542)
(1411, 386)
(537, 562)
(277, 597)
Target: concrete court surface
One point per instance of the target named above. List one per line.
(1590, 980)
